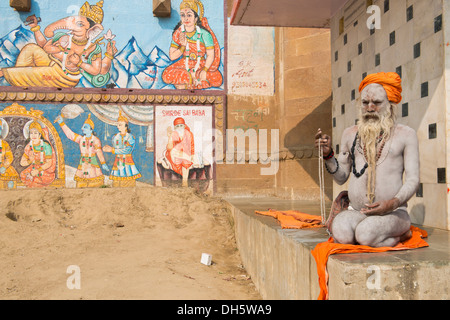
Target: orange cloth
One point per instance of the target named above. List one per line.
(292, 219)
(390, 81)
(325, 249)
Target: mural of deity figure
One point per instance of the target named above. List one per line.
(89, 172)
(60, 59)
(124, 171)
(39, 157)
(8, 175)
(197, 50)
(180, 150)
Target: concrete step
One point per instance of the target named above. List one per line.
(282, 267)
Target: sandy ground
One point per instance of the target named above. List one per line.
(140, 243)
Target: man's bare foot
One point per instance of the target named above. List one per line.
(406, 236)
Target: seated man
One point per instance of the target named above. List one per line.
(375, 155)
(180, 151)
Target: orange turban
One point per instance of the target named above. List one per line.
(178, 121)
(390, 81)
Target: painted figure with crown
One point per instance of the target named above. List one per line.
(124, 171)
(196, 49)
(89, 172)
(39, 157)
(8, 175)
(60, 59)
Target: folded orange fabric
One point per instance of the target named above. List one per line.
(323, 250)
(292, 219)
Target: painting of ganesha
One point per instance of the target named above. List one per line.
(60, 59)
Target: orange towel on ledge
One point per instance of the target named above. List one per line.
(292, 219)
(325, 249)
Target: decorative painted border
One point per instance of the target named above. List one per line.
(44, 96)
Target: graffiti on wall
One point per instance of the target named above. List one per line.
(76, 146)
(49, 48)
(249, 118)
(183, 151)
(251, 59)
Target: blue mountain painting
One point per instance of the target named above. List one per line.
(131, 67)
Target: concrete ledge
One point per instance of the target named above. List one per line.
(282, 267)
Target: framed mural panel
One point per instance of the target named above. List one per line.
(84, 80)
(77, 145)
(184, 146)
(96, 140)
(113, 45)
(31, 151)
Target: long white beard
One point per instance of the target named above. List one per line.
(180, 132)
(370, 129)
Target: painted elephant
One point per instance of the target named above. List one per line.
(64, 52)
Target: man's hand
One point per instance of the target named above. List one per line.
(325, 142)
(183, 39)
(107, 149)
(32, 21)
(111, 48)
(74, 59)
(203, 76)
(64, 41)
(381, 208)
(169, 132)
(59, 119)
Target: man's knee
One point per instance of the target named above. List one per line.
(372, 234)
(366, 235)
(344, 236)
(382, 230)
(344, 225)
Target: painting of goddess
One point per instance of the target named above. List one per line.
(39, 157)
(196, 49)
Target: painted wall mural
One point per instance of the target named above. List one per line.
(93, 145)
(112, 44)
(184, 149)
(76, 145)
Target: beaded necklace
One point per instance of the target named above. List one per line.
(41, 151)
(366, 166)
(67, 50)
(188, 49)
(87, 143)
(124, 142)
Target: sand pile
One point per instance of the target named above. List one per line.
(139, 243)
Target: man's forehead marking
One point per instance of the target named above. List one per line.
(374, 90)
